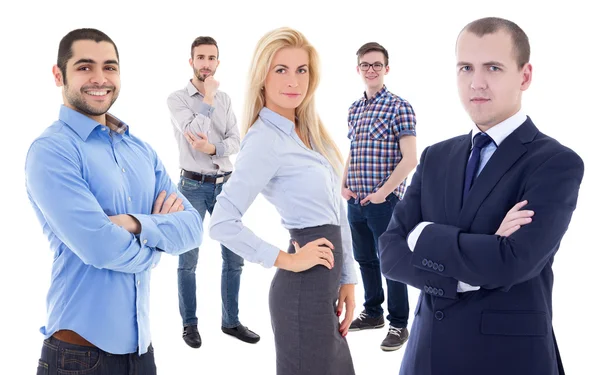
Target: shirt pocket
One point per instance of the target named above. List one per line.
(379, 129)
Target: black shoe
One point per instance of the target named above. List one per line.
(243, 333)
(395, 338)
(366, 322)
(191, 336)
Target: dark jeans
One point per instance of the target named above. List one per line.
(203, 196)
(367, 223)
(60, 358)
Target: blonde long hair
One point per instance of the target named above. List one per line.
(309, 122)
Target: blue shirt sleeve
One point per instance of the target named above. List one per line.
(255, 166)
(173, 233)
(55, 184)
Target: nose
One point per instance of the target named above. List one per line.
(371, 68)
(478, 81)
(98, 77)
(293, 82)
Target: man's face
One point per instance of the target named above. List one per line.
(372, 69)
(490, 83)
(92, 81)
(205, 61)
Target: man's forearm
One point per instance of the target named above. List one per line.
(400, 173)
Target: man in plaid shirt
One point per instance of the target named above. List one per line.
(381, 128)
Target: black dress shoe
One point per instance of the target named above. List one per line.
(243, 333)
(191, 336)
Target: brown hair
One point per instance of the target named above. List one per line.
(491, 25)
(203, 40)
(372, 47)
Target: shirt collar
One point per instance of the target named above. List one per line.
(377, 95)
(277, 120)
(191, 89)
(83, 125)
(499, 132)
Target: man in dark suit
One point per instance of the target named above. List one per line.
(481, 221)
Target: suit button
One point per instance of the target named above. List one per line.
(424, 262)
(439, 315)
(435, 266)
(440, 292)
(429, 263)
(441, 267)
(427, 289)
(434, 291)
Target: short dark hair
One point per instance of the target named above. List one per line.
(490, 25)
(65, 47)
(372, 47)
(202, 40)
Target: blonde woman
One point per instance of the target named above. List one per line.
(288, 156)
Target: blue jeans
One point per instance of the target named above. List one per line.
(367, 223)
(203, 196)
(58, 357)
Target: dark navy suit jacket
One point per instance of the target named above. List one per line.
(504, 328)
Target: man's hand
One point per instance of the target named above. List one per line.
(346, 297)
(376, 198)
(347, 193)
(170, 205)
(127, 222)
(200, 143)
(514, 219)
(210, 86)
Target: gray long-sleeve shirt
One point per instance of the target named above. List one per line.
(218, 122)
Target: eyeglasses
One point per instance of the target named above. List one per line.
(376, 66)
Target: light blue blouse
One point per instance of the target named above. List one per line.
(299, 182)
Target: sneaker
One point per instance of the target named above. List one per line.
(366, 322)
(395, 338)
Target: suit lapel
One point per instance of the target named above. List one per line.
(511, 150)
(455, 169)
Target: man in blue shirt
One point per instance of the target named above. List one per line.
(109, 209)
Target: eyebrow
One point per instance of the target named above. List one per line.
(376, 62)
(287, 67)
(90, 61)
(201, 55)
(489, 63)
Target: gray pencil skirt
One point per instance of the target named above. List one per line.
(303, 313)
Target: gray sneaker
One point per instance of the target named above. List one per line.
(366, 322)
(395, 338)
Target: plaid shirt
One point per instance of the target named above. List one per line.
(374, 127)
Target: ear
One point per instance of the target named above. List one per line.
(218, 62)
(387, 70)
(58, 76)
(358, 69)
(526, 75)
(191, 62)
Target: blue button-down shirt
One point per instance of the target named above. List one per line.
(78, 173)
(298, 181)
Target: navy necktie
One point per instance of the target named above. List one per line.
(479, 142)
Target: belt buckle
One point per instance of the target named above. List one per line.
(220, 180)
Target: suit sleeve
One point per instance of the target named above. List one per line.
(395, 255)
(500, 262)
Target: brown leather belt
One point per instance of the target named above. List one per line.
(211, 179)
(71, 337)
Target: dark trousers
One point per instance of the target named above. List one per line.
(367, 223)
(61, 358)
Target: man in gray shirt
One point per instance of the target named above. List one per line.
(207, 134)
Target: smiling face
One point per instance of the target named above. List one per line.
(92, 82)
(490, 82)
(372, 69)
(287, 82)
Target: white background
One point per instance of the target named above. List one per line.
(154, 44)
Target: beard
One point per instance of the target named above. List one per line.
(202, 76)
(77, 100)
